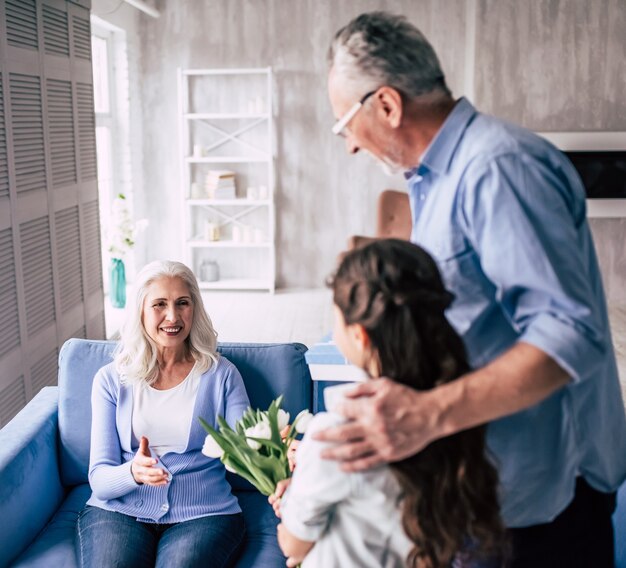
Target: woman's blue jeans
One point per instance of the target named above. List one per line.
(107, 538)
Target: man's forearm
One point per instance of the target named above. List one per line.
(388, 421)
(518, 379)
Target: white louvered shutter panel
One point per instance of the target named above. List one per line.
(86, 131)
(61, 129)
(12, 400)
(9, 334)
(68, 257)
(21, 23)
(4, 171)
(28, 135)
(50, 258)
(82, 37)
(37, 271)
(56, 31)
(91, 240)
(44, 372)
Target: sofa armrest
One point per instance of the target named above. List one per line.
(31, 489)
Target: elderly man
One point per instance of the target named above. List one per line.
(503, 213)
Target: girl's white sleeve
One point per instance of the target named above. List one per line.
(317, 486)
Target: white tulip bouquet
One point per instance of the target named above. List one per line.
(257, 449)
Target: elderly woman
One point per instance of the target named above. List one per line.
(156, 499)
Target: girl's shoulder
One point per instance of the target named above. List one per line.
(320, 421)
(323, 420)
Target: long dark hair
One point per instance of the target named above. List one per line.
(450, 502)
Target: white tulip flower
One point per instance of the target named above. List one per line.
(283, 419)
(260, 430)
(302, 421)
(263, 430)
(251, 433)
(228, 468)
(211, 448)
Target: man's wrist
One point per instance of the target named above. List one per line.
(444, 399)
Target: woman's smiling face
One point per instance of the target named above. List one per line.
(167, 313)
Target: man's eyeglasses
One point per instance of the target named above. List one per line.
(339, 128)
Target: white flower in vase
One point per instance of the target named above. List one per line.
(123, 230)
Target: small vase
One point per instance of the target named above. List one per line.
(117, 283)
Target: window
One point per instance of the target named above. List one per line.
(111, 89)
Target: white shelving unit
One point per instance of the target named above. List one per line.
(227, 113)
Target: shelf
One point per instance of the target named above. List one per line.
(227, 244)
(224, 115)
(226, 160)
(240, 201)
(236, 284)
(232, 133)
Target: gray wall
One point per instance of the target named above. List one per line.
(547, 64)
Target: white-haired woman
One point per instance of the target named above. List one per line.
(156, 499)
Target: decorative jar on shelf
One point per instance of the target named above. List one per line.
(209, 271)
(117, 283)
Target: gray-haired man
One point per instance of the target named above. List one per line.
(503, 213)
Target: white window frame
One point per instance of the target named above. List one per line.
(117, 121)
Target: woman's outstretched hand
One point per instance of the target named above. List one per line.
(387, 422)
(143, 466)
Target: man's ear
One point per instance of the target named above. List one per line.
(390, 105)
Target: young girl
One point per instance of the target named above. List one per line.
(438, 508)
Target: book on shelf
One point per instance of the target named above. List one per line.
(223, 193)
(220, 184)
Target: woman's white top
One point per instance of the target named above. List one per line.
(164, 416)
(353, 518)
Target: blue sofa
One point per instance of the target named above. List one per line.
(44, 454)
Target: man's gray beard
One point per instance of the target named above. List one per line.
(388, 166)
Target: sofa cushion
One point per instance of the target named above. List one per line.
(271, 369)
(55, 545)
(79, 361)
(268, 370)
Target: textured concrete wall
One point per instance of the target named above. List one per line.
(546, 64)
(559, 65)
(322, 194)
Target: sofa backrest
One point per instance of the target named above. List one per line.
(268, 370)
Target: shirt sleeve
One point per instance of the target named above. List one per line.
(317, 485)
(235, 396)
(109, 476)
(527, 224)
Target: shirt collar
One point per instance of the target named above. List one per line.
(438, 154)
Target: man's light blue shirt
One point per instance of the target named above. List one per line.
(502, 211)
